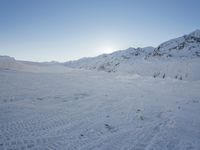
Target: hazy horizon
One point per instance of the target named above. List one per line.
(61, 30)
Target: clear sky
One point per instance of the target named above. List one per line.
(44, 30)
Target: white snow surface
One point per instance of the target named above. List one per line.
(88, 110)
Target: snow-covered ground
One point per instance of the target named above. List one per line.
(89, 110)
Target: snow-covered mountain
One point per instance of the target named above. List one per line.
(10, 63)
(7, 62)
(110, 62)
(185, 46)
(176, 58)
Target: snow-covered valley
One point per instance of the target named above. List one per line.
(137, 99)
(86, 110)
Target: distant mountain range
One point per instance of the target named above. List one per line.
(177, 58)
(187, 46)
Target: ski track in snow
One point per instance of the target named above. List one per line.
(83, 110)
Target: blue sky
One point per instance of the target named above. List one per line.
(44, 30)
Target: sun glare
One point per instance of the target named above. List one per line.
(108, 49)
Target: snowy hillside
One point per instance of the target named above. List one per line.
(9, 63)
(178, 58)
(110, 62)
(185, 46)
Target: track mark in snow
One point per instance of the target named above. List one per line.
(38, 143)
(145, 138)
(110, 128)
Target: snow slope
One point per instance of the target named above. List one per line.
(84, 110)
(110, 62)
(9, 63)
(177, 58)
(185, 46)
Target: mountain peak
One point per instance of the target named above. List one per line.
(195, 33)
(6, 58)
(184, 46)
